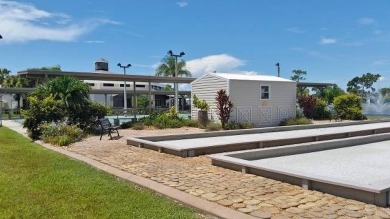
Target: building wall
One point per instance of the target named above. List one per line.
(246, 98)
(249, 107)
(206, 88)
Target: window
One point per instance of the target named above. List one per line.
(91, 84)
(108, 85)
(264, 90)
(122, 85)
(139, 85)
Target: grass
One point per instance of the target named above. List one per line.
(378, 117)
(38, 183)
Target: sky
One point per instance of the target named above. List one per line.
(332, 40)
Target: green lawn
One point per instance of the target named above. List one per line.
(378, 117)
(38, 183)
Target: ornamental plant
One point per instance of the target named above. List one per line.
(201, 104)
(224, 107)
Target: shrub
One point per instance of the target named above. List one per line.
(234, 125)
(126, 125)
(138, 126)
(224, 107)
(295, 121)
(60, 133)
(201, 104)
(321, 110)
(191, 123)
(213, 127)
(46, 110)
(307, 103)
(347, 106)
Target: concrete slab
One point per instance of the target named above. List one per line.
(198, 144)
(353, 168)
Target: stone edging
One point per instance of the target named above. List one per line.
(187, 199)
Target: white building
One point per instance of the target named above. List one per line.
(259, 99)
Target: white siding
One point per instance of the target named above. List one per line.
(205, 88)
(245, 96)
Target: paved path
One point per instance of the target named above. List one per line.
(254, 195)
(233, 139)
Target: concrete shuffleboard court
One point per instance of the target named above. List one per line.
(189, 145)
(356, 167)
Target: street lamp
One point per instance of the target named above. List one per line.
(170, 53)
(278, 65)
(124, 86)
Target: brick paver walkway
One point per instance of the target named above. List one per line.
(258, 196)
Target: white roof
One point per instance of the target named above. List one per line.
(231, 76)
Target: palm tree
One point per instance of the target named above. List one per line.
(167, 68)
(4, 73)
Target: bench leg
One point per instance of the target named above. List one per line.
(101, 135)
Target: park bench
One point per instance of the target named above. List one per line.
(106, 127)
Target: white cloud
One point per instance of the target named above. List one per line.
(295, 30)
(327, 41)
(219, 63)
(366, 21)
(380, 62)
(21, 22)
(378, 32)
(94, 41)
(182, 4)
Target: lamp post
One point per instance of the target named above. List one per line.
(278, 66)
(170, 53)
(124, 86)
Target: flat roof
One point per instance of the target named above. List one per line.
(232, 76)
(99, 91)
(109, 76)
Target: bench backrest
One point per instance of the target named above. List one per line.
(105, 123)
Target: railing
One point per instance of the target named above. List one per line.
(7, 114)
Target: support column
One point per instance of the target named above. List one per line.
(105, 99)
(135, 109)
(150, 98)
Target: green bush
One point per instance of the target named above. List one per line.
(60, 133)
(62, 99)
(191, 123)
(138, 126)
(295, 121)
(40, 111)
(126, 125)
(321, 111)
(348, 106)
(213, 127)
(235, 125)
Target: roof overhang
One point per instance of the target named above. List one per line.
(104, 76)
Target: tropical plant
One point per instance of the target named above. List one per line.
(307, 103)
(62, 99)
(4, 73)
(167, 68)
(348, 106)
(201, 104)
(60, 134)
(224, 107)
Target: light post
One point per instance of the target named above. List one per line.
(124, 86)
(278, 66)
(170, 53)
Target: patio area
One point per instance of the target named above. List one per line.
(247, 193)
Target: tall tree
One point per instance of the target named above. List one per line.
(167, 68)
(298, 75)
(363, 86)
(329, 93)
